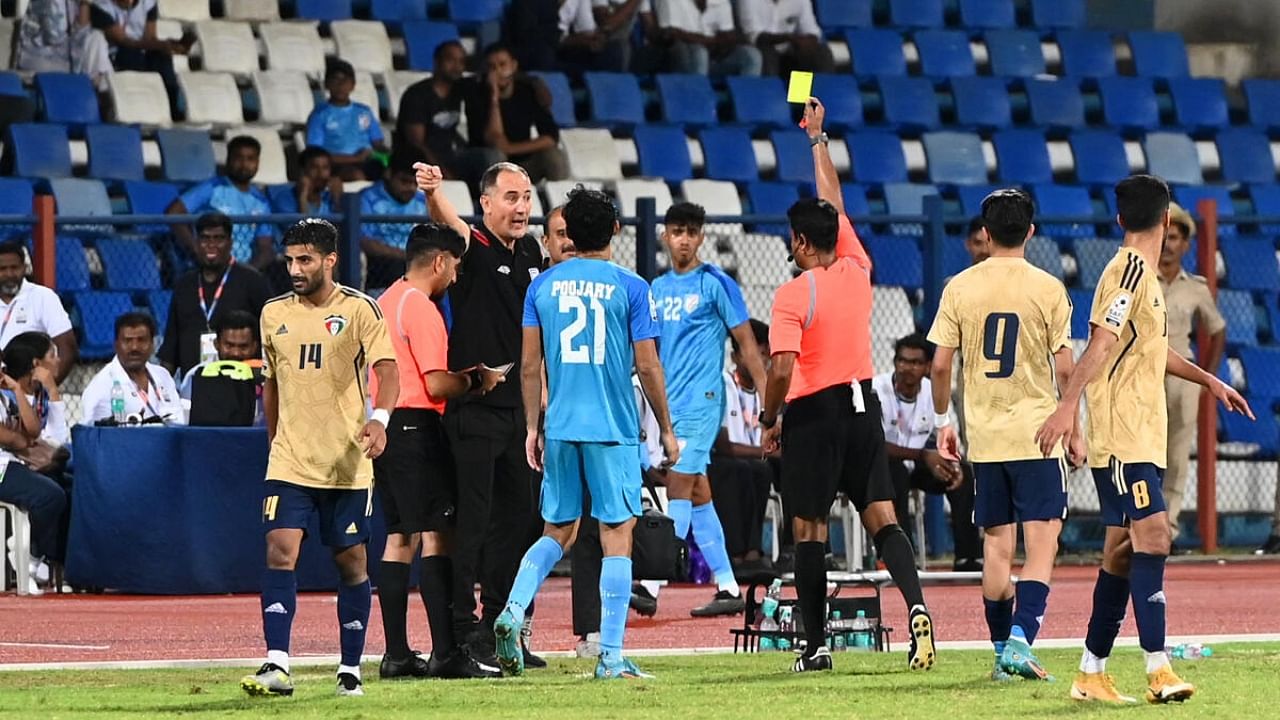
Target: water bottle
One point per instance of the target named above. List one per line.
(862, 640)
(1190, 651)
(117, 402)
(835, 631)
(787, 625)
(769, 607)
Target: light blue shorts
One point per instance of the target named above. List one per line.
(696, 435)
(609, 471)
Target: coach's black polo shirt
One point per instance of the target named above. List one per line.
(487, 304)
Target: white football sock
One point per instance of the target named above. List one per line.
(279, 658)
(1090, 663)
(1156, 660)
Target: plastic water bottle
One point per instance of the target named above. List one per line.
(1190, 651)
(117, 402)
(769, 606)
(861, 631)
(836, 631)
(787, 625)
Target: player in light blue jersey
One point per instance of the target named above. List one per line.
(699, 306)
(592, 321)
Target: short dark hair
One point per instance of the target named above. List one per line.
(759, 329)
(319, 234)
(237, 320)
(589, 218)
(1007, 215)
(429, 239)
(439, 51)
(247, 141)
(404, 158)
(335, 68)
(546, 221)
(1141, 201)
(817, 220)
(23, 351)
(686, 214)
(14, 247)
(490, 176)
(497, 47)
(311, 152)
(975, 225)
(212, 220)
(914, 341)
(135, 319)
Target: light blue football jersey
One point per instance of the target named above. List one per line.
(343, 129)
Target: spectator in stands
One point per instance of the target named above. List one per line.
(202, 297)
(913, 462)
(787, 35)
(430, 112)
(129, 27)
(384, 243)
(149, 391)
(348, 130)
(502, 110)
(975, 242)
(56, 36)
(617, 19)
(231, 194)
(28, 306)
(555, 238)
(317, 192)
(1189, 303)
(584, 46)
(703, 38)
(239, 360)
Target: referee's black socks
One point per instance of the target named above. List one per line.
(811, 592)
(895, 550)
(393, 598)
(436, 589)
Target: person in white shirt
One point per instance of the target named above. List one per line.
(913, 461)
(616, 19)
(26, 306)
(149, 390)
(584, 46)
(704, 39)
(787, 35)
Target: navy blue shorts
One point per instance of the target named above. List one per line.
(1019, 491)
(344, 514)
(1129, 491)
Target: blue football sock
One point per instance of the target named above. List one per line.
(1033, 598)
(534, 568)
(999, 619)
(1110, 596)
(681, 512)
(709, 534)
(1146, 581)
(279, 604)
(615, 595)
(353, 620)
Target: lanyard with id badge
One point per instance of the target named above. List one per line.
(208, 351)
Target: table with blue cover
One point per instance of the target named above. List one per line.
(178, 510)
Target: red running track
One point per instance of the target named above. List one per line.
(1204, 599)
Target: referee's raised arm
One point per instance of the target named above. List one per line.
(824, 170)
(429, 179)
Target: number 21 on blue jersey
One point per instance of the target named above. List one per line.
(582, 351)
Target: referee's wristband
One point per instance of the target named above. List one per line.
(380, 416)
(941, 420)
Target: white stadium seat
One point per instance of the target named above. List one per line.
(457, 192)
(188, 11)
(273, 168)
(364, 44)
(252, 10)
(212, 98)
(139, 98)
(284, 96)
(367, 92)
(591, 153)
(632, 189)
(557, 191)
(293, 45)
(227, 47)
(397, 82)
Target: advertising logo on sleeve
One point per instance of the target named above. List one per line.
(1119, 309)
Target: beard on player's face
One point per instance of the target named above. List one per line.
(304, 284)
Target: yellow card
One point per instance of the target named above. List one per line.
(800, 87)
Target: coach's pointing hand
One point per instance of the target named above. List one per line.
(373, 439)
(429, 177)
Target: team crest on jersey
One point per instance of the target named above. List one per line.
(690, 304)
(335, 324)
(653, 308)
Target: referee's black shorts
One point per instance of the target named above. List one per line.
(414, 475)
(828, 447)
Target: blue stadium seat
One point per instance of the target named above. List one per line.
(72, 273)
(422, 37)
(981, 102)
(1264, 432)
(158, 304)
(1200, 104)
(795, 159)
(1055, 104)
(759, 100)
(664, 152)
(98, 311)
(1251, 264)
(987, 14)
(971, 197)
(40, 151)
(842, 98)
(561, 97)
(80, 197)
(1099, 156)
(115, 152)
(1092, 256)
(1260, 374)
(1189, 197)
(1246, 156)
(840, 14)
(129, 264)
(1173, 157)
(1266, 201)
(876, 53)
(877, 157)
(615, 98)
(1058, 14)
(1087, 53)
(1022, 157)
(476, 11)
(944, 53)
(772, 198)
(1063, 201)
(1081, 307)
(394, 12)
(324, 10)
(907, 199)
(1159, 54)
(916, 13)
(728, 155)
(11, 84)
(909, 103)
(1043, 253)
(687, 99)
(1129, 103)
(954, 256)
(16, 196)
(150, 198)
(896, 261)
(68, 98)
(955, 158)
(1236, 307)
(1263, 95)
(187, 155)
(856, 204)
(1015, 53)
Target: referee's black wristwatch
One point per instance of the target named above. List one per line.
(475, 378)
(765, 423)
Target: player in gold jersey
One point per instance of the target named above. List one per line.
(1011, 322)
(1123, 369)
(318, 343)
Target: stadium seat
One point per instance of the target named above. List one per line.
(759, 100)
(129, 264)
(663, 152)
(1173, 157)
(971, 197)
(227, 46)
(326, 10)
(955, 158)
(1087, 53)
(728, 155)
(955, 257)
(1245, 156)
(40, 150)
(1099, 157)
(1200, 104)
(273, 168)
(150, 198)
(842, 14)
(7, 26)
(877, 157)
(68, 98)
(944, 53)
(1251, 264)
(72, 271)
(795, 158)
(1266, 201)
(1260, 374)
(459, 194)
(632, 189)
(475, 11)
(251, 10)
(80, 197)
(11, 84)
(896, 261)
(1057, 14)
(396, 12)
(876, 53)
(284, 96)
(772, 198)
(1055, 104)
(158, 303)
(981, 102)
(909, 103)
(987, 14)
(1081, 307)
(916, 13)
(211, 98)
(293, 46)
(687, 99)
(1159, 54)
(591, 154)
(1263, 95)
(187, 155)
(1092, 256)
(1063, 201)
(615, 99)
(1043, 253)
(140, 98)
(16, 196)
(1189, 197)
(718, 197)
(422, 37)
(1023, 157)
(397, 82)
(115, 152)
(188, 11)
(561, 97)
(856, 204)
(1015, 53)
(1237, 309)
(1129, 103)
(364, 44)
(842, 99)
(1263, 432)
(98, 311)
(907, 199)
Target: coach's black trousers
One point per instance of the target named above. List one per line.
(585, 558)
(494, 506)
(968, 545)
(740, 487)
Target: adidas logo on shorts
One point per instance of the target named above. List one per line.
(353, 625)
(276, 609)
(352, 529)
